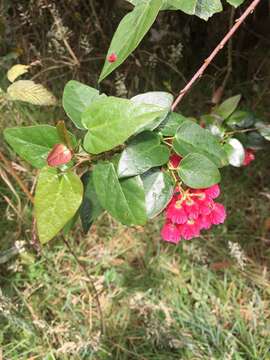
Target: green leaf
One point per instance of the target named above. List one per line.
(33, 143)
(142, 153)
(158, 187)
(204, 9)
(90, 208)
(263, 129)
(111, 121)
(235, 3)
(235, 151)
(225, 109)
(159, 98)
(190, 137)
(197, 171)
(70, 224)
(58, 197)
(130, 33)
(241, 120)
(171, 124)
(123, 199)
(77, 97)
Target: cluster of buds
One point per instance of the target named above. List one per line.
(191, 210)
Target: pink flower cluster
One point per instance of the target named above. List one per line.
(191, 211)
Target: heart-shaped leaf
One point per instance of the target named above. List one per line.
(123, 199)
(90, 208)
(190, 137)
(57, 198)
(77, 97)
(130, 32)
(142, 153)
(33, 143)
(111, 121)
(197, 171)
(158, 187)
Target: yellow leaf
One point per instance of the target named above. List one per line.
(16, 71)
(28, 91)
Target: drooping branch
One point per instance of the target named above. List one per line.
(214, 53)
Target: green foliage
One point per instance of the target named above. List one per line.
(159, 188)
(171, 124)
(197, 171)
(111, 121)
(33, 143)
(191, 138)
(90, 208)
(123, 199)
(130, 32)
(77, 97)
(58, 197)
(141, 154)
(225, 109)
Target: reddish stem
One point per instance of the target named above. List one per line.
(214, 53)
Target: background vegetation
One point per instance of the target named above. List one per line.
(205, 299)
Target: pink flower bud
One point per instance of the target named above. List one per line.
(112, 58)
(59, 155)
(249, 157)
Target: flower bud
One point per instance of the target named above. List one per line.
(59, 155)
(112, 58)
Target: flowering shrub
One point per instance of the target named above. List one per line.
(134, 158)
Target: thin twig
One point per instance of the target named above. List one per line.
(9, 168)
(83, 268)
(214, 53)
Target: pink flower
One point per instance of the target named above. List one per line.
(112, 58)
(171, 232)
(218, 214)
(176, 212)
(174, 161)
(213, 191)
(204, 222)
(190, 229)
(191, 208)
(249, 157)
(59, 155)
(203, 201)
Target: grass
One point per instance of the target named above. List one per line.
(158, 301)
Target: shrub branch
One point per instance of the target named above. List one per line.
(207, 62)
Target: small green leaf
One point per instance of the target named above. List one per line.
(225, 109)
(142, 153)
(197, 171)
(241, 120)
(90, 208)
(190, 137)
(111, 121)
(171, 124)
(130, 33)
(77, 97)
(33, 143)
(235, 151)
(158, 187)
(123, 199)
(58, 197)
(235, 3)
